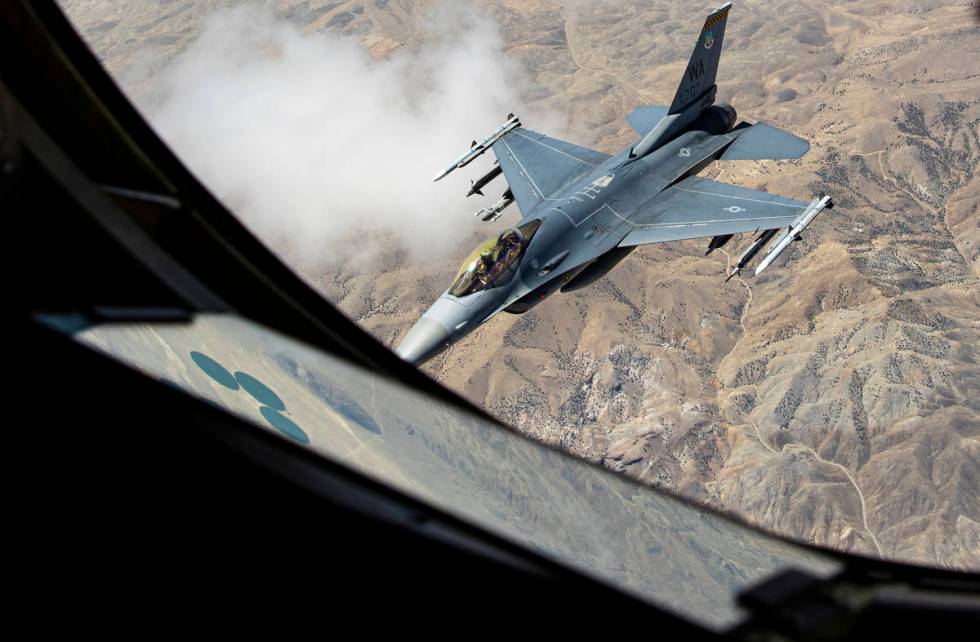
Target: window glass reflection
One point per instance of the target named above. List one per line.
(606, 526)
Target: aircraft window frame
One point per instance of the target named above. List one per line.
(588, 494)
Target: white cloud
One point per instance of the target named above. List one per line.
(311, 141)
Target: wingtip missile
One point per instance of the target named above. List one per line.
(816, 206)
(757, 244)
(478, 147)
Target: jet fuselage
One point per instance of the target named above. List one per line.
(582, 223)
(584, 211)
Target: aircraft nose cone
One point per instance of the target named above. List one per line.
(425, 340)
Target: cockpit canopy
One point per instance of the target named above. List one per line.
(495, 262)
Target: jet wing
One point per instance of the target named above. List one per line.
(536, 166)
(697, 207)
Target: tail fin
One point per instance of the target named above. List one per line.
(699, 79)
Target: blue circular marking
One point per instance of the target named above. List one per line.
(214, 370)
(284, 424)
(262, 393)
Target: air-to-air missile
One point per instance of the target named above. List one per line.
(477, 148)
(751, 251)
(480, 183)
(815, 207)
(492, 213)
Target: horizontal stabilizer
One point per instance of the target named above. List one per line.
(643, 119)
(765, 142)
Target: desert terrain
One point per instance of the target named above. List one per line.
(834, 399)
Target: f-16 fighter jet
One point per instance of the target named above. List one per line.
(584, 211)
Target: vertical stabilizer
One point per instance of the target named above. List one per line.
(699, 78)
